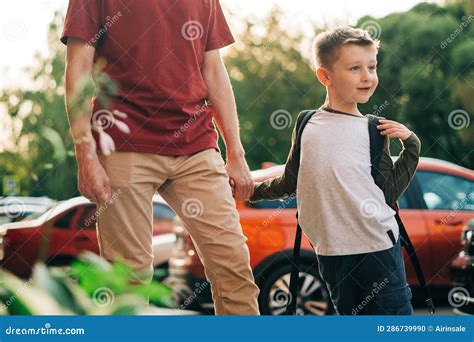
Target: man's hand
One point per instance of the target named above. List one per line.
(394, 129)
(240, 178)
(93, 182)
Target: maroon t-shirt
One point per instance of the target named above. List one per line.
(153, 50)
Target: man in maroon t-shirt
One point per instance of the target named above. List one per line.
(159, 83)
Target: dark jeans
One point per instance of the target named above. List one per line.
(369, 283)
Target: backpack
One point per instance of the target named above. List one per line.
(376, 150)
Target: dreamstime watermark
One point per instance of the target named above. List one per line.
(282, 298)
(104, 119)
(380, 109)
(272, 37)
(200, 110)
(46, 330)
(459, 119)
(281, 119)
(192, 30)
(445, 221)
(103, 296)
(192, 208)
(458, 296)
(464, 23)
(376, 289)
(14, 30)
(93, 218)
(109, 22)
(370, 208)
(373, 28)
(14, 208)
(191, 298)
(5, 304)
(277, 211)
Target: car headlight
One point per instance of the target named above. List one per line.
(2, 245)
(178, 227)
(467, 234)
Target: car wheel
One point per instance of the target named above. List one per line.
(313, 296)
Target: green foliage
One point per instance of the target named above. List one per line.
(91, 287)
(269, 73)
(41, 152)
(424, 77)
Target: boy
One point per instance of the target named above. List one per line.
(341, 209)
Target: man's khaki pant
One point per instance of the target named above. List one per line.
(197, 188)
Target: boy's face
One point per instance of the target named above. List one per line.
(353, 76)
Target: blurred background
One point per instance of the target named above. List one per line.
(426, 73)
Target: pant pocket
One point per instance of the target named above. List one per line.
(393, 301)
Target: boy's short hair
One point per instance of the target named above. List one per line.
(327, 43)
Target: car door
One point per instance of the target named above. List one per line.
(449, 205)
(86, 235)
(61, 240)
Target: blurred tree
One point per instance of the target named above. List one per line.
(41, 151)
(273, 82)
(426, 73)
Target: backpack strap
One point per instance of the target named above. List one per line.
(414, 260)
(293, 288)
(301, 122)
(376, 144)
(376, 150)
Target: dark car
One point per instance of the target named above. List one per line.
(462, 270)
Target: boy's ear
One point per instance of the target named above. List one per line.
(323, 76)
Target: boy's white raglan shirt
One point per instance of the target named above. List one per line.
(341, 209)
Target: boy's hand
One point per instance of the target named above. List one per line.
(232, 185)
(394, 129)
(240, 178)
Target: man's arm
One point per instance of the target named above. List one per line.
(393, 179)
(93, 182)
(221, 95)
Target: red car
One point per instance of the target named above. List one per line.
(436, 206)
(59, 234)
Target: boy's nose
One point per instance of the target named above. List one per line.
(365, 76)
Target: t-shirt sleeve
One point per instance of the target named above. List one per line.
(219, 34)
(82, 21)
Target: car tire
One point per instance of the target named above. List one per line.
(313, 296)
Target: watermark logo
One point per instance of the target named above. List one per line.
(464, 23)
(458, 296)
(14, 30)
(103, 296)
(373, 28)
(459, 119)
(192, 30)
(192, 208)
(109, 22)
(370, 208)
(281, 119)
(14, 208)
